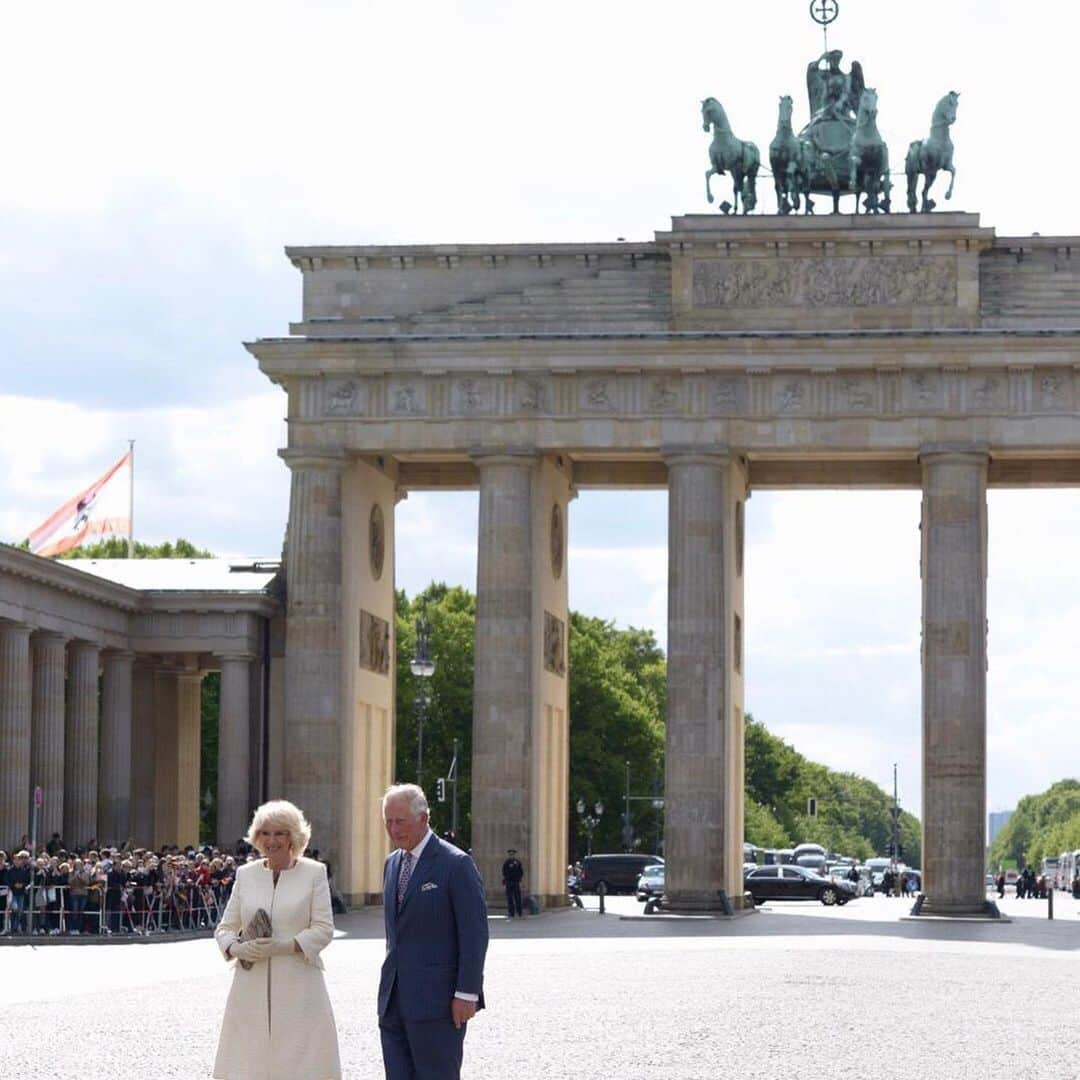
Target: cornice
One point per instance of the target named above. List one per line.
(66, 578)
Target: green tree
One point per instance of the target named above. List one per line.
(116, 547)
(1041, 825)
(854, 815)
(616, 717)
(452, 614)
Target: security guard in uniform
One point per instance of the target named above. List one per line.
(512, 873)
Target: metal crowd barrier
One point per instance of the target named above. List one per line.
(143, 910)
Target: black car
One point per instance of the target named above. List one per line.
(796, 883)
(618, 872)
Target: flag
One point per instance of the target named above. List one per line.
(103, 509)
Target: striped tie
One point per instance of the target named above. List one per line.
(407, 861)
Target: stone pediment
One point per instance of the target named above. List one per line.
(843, 273)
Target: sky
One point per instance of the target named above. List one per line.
(160, 156)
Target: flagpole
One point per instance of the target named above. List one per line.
(131, 500)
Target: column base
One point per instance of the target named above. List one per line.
(926, 907)
(703, 902)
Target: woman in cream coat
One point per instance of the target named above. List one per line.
(278, 1022)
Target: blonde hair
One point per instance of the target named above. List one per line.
(283, 813)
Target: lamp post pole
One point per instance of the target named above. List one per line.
(423, 667)
(589, 821)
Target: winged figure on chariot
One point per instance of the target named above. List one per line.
(840, 151)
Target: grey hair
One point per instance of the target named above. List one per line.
(418, 803)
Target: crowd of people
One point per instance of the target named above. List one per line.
(114, 890)
(1029, 885)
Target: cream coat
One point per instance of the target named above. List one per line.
(278, 1022)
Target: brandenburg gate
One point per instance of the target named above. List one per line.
(727, 354)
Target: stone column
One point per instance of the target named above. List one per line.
(114, 769)
(14, 733)
(143, 752)
(313, 700)
(49, 654)
(954, 681)
(502, 671)
(166, 771)
(81, 744)
(234, 749)
(188, 756)
(703, 828)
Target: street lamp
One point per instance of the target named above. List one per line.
(589, 821)
(423, 667)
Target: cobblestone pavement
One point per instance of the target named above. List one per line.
(795, 991)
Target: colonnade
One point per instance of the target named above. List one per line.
(521, 723)
(112, 739)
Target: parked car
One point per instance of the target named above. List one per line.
(651, 882)
(619, 873)
(797, 883)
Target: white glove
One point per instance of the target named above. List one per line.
(256, 949)
(280, 946)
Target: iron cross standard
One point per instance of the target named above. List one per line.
(824, 12)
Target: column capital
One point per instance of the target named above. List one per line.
(958, 451)
(523, 456)
(14, 627)
(49, 637)
(246, 657)
(329, 460)
(111, 656)
(697, 455)
(82, 646)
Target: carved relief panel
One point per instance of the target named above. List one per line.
(554, 644)
(374, 643)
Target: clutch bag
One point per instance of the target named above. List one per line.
(258, 927)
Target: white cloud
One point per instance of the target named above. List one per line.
(165, 153)
(211, 475)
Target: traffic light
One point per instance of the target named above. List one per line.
(440, 789)
(811, 807)
(889, 849)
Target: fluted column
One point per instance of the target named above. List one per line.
(166, 767)
(14, 732)
(114, 771)
(143, 752)
(954, 681)
(188, 756)
(81, 744)
(502, 672)
(314, 710)
(49, 657)
(703, 831)
(234, 749)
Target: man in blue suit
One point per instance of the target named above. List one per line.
(432, 980)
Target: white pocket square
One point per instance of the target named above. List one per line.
(428, 885)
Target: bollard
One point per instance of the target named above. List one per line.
(601, 891)
(1049, 903)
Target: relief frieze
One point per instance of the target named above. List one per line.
(342, 398)
(833, 282)
(406, 399)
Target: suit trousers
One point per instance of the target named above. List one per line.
(513, 899)
(423, 1050)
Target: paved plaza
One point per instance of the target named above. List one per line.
(796, 991)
